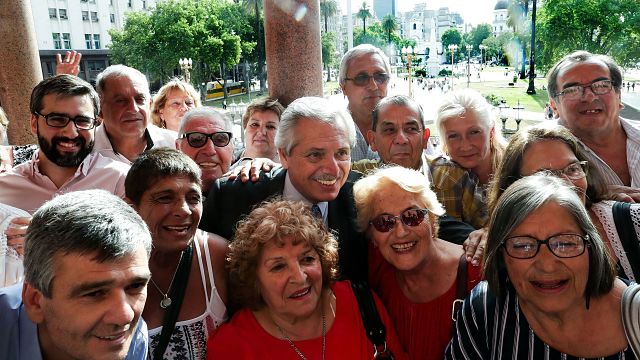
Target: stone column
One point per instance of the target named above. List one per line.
(20, 69)
(294, 52)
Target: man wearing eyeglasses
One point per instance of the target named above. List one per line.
(64, 112)
(126, 112)
(205, 136)
(364, 76)
(584, 91)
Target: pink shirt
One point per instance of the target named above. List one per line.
(26, 188)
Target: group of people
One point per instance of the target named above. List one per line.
(340, 234)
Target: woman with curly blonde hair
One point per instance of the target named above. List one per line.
(171, 102)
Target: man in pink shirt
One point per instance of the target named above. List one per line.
(64, 115)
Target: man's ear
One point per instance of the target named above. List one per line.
(33, 300)
(128, 201)
(33, 121)
(553, 105)
(284, 160)
(426, 134)
(371, 138)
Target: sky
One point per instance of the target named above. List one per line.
(472, 11)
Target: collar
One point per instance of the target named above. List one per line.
(291, 193)
(83, 168)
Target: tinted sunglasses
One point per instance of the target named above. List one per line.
(412, 217)
(198, 139)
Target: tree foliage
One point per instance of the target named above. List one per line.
(600, 26)
(390, 25)
(477, 35)
(328, 51)
(328, 8)
(364, 13)
(208, 31)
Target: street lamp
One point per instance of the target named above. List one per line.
(408, 54)
(452, 48)
(482, 47)
(531, 90)
(186, 65)
(469, 47)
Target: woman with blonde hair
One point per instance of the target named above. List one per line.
(171, 102)
(472, 149)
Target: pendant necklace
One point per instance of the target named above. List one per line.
(166, 300)
(295, 348)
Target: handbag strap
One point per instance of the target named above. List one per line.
(176, 295)
(373, 326)
(627, 234)
(461, 286)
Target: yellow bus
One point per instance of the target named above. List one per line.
(215, 91)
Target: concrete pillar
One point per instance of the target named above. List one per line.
(294, 52)
(20, 69)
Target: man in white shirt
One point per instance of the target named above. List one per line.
(126, 113)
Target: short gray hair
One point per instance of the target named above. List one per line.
(315, 108)
(360, 50)
(116, 71)
(578, 57)
(206, 112)
(91, 222)
(521, 199)
(401, 100)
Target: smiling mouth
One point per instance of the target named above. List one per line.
(327, 182)
(300, 293)
(180, 228)
(208, 165)
(549, 285)
(591, 111)
(404, 247)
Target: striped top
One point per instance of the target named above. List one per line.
(495, 328)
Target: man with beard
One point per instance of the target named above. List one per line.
(64, 115)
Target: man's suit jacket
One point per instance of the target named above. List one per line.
(229, 201)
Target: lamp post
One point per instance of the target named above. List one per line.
(186, 65)
(532, 60)
(452, 48)
(408, 54)
(482, 47)
(469, 47)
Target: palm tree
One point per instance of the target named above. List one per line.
(389, 25)
(255, 7)
(328, 8)
(364, 13)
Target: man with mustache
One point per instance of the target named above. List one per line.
(86, 273)
(584, 92)
(364, 76)
(125, 102)
(205, 136)
(64, 116)
(314, 141)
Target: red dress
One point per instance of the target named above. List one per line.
(424, 329)
(244, 338)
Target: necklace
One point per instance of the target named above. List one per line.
(166, 300)
(295, 348)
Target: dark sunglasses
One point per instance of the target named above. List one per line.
(412, 217)
(198, 139)
(364, 79)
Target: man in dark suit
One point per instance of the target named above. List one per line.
(314, 141)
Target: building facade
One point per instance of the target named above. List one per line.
(500, 15)
(81, 25)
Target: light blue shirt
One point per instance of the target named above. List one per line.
(19, 335)
(291, 193)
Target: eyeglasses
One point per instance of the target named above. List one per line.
(573, 171)
(363, 79)
(600, 87)
(198, 139)
(560, 245)
(411, 217)
(61, 120)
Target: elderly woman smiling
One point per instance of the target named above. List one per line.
(420, 275)
(551, 290)
(282, 265)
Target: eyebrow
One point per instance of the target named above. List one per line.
(89, 286)
(575, 83)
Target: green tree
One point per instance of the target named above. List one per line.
(598, 26)
(478, 34)
(154, 42)
(254, 7)
(452, 37)
(390, 25)
(328, 50)
(328, 8)
(364, 13)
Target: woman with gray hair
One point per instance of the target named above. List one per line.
(550, 284)
(472, 150)
(418, 276)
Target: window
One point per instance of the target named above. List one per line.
(53, 13)
(63, 13)
(95, 65)
(57, 44)
(112, 17)
(83, 0)
(96, 41)
(66, 37)
(92, 1)
(144, 4)
(111, 2)
(87, 41)
(94, 16)
(85, 16)
(130, 3)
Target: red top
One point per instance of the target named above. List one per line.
(424, 329)
(244, 338)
